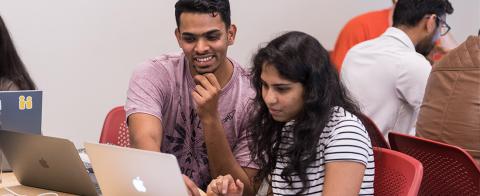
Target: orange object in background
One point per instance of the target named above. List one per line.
(361, 28)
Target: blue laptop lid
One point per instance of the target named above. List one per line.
(21, 111)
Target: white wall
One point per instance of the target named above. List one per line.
(81, 53)
(465, 19)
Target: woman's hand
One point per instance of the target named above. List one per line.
(225, 185)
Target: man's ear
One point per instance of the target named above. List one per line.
(431, 23)
(231, 32)
(177, 35)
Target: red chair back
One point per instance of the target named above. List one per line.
(115, 130)
(396, 173)
(376, 136)
(448, 169)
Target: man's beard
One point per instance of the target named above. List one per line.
(425, 46)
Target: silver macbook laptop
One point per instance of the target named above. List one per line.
(128, 171)
(20, 111)
(46, 162)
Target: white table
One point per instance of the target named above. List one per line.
(10, 181)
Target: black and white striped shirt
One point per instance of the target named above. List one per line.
(343, 139)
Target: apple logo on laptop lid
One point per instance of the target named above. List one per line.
(138, 184)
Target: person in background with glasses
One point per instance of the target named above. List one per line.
(388, 74)
(371, 25)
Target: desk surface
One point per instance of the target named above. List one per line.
(9, 180)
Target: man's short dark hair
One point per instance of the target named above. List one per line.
(411, 12)
(213, 7)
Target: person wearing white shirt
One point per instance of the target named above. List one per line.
(388, 75)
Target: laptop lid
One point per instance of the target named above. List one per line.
(128, 171)
(46, 162)
(20, 111)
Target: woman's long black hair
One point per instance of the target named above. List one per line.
(11, 66)
(298, 57)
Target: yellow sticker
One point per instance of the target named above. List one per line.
(25, 103)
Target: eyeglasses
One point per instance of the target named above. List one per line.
(444, 27)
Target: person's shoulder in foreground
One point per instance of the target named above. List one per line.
(455, 76)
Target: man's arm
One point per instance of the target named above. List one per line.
(220, 156)
(149, 89)
(145, 131)
(192, 188)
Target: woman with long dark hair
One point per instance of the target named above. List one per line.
(305, 137)
(13, 74)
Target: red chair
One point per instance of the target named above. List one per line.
(115, 130)
(396, 173)
(449, 170)
(376, 136)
